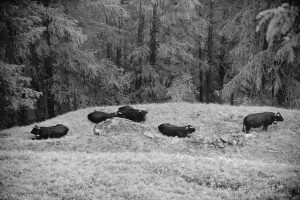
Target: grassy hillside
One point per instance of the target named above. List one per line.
(128, 165)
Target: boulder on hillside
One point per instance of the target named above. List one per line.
(250, 135)
(119, 125)
(220, 144)
(221, 141)
(197, 138)
(226, 138)
(149, 134)
(119, 134)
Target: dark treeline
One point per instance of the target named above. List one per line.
(57, 55)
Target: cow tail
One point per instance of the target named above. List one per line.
(243, 127)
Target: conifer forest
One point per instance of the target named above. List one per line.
(58, 56)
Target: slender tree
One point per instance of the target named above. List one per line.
(209, 46)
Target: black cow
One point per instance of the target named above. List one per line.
(172, 130)
(56, 131)
(261, 119)
(132, 114)
(98, 116)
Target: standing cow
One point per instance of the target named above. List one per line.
(179, 131)
(261, 119)
(56, 131)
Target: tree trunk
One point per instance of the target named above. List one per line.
(200, 74)
(209, 46)
(232, 99)
(119, 52)
(118, 57)
(141, 26)
(119, 47)
(108, 50)
(75, 100)
(200, 86)
(265, 43)
(108, 44)
(45, 104)
(222, 66)
(48, 68)
(208, 86)
(125, 54)
(153, 45)
(51, 104)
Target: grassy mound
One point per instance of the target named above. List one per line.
(134, 161)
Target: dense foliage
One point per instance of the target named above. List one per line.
(57, 56)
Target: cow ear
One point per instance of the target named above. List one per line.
(278, 114)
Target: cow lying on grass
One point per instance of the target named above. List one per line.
(132, 114)
(261, 119)
(98, 116)
(56, 131)
(179, 131)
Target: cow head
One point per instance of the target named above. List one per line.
(143, 112)
(35, 130)
(119, 114)
(190, 129)
(278, 117)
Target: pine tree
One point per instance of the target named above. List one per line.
(15, 93)
(265, 73)
(20, 30)
(247, 62)
(167, 53)
(283, 36)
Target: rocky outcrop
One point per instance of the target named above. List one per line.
(116, 126)
(119, 125)
(221, 141)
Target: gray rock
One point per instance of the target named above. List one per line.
(118, 125)
(197, 139)
(207, 140)
(225, 138)
(241, 142)
(148, 134)
(220, 144)
(250, 135)
(99, 131)
(234, 142)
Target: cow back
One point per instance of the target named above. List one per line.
(98, 116)
(258, 119)
(132, 114)
(56, 131)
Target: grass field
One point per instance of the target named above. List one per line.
(128, 165)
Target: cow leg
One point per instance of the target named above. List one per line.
(37, 138)
(248, 129)
(265, 127)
